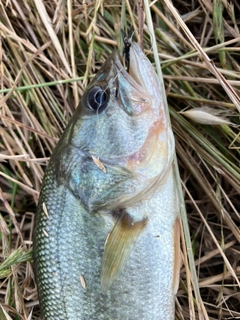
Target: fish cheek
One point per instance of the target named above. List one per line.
(92, 186)
(83, 182)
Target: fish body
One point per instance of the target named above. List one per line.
(106, 243)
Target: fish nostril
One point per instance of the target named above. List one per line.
(116, 93)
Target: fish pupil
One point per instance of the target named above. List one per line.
(97, 98)
(101, 97)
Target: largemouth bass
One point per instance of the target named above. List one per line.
(106, 242)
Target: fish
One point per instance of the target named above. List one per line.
(106, 237)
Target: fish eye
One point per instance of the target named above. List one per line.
(97, 98)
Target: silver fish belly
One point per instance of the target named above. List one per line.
(106, 243)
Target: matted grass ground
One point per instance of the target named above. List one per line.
(49, 50)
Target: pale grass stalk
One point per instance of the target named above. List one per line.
(71, 43)
(188, 275)
(46, 20)
(32, 191)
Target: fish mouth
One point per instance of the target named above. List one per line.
(150, 164)
(146, 91)
(140, 73)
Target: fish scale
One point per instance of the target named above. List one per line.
(105, 243)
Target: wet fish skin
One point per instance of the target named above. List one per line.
(80, 205)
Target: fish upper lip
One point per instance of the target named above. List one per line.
(136, 56)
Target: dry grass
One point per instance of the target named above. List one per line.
(48, 52)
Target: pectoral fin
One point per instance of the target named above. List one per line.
(118, 247)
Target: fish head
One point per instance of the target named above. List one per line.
(119, 145)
